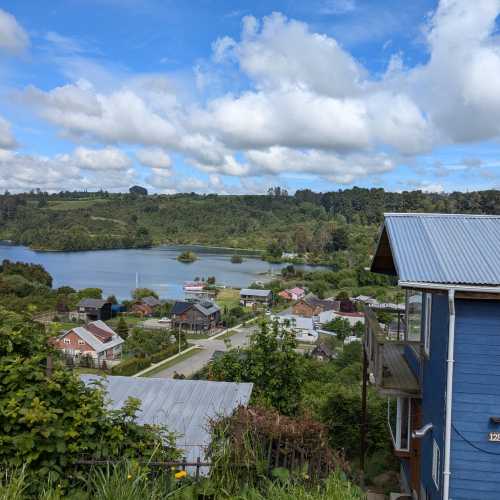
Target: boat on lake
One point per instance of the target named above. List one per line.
(193, 286)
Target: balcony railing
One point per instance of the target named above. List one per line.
(387, 364)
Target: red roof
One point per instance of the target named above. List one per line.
(101, 334)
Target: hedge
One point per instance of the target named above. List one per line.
(161, 355)
(131, 366)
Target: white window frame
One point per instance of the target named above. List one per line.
(436, 463)
(67, 341)
(427, 324)
(396, 440)
(81, 342)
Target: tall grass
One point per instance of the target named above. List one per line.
(127, 481)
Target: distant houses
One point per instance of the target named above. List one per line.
(351, 317)
(292, 293)
(197, 317)
(146, 306)
(95, 340)
(250, 297)
(311, 305)
(91, 310)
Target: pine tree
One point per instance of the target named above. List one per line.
(122, 328)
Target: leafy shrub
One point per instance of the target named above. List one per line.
(164, 354)
(131, 366)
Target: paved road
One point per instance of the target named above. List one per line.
(196, 362)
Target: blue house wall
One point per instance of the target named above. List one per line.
(433, 393)
(475, 462)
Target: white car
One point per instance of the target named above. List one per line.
(164, 320)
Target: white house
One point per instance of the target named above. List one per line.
(303, 328)
(352, 317)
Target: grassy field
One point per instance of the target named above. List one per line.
(228, 297)
(172, 362)
(64, 205)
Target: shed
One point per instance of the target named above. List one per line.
(183, 406)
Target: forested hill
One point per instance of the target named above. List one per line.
(313, 223)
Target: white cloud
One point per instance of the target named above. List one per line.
(13, 38)
(341, 169)
(100, 159)
(154, 157)
(7, 139)
(335, 7)
(121, 116)
(21, 172)
(63, 43)
(308, 106)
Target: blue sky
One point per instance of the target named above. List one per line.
(236, 96)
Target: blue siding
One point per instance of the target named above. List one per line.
(476, 396)
(433, 392)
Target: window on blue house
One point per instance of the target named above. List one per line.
(427, 323)
(414, 315)
(399, 417)
(436, 465)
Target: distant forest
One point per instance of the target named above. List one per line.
(337, 227)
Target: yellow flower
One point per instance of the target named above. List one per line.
(129, 476)
(180, 474)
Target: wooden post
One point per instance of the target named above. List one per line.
(48, 370)
(197, 469)
(363, 418)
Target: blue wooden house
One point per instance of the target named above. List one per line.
(441, 374)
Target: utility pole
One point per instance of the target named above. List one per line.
(363, 417)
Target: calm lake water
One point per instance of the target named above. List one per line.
(114, 271)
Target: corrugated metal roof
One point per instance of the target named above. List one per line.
(254, 292)
(93, 303)
(445, 248)
(183, 406)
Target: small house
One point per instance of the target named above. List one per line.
(310, 306)
(292, 293)
(303, 328)
(146, 307)
(250, 297)
(95, 340)
(323, 353)
(352, 317)
(91, 310)
(204, 316)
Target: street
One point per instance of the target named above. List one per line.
(196, 362)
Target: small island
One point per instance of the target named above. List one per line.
(187, 257)
(236, 259)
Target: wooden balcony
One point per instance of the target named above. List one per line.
(387, 364)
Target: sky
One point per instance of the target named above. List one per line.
(232, 96)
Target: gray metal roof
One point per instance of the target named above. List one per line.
(443, 248)
(183, 406)
(92, 303)
(254, 292)
(207, 309)
(92, 340)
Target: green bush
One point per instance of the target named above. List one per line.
(163, 354)
(131, 366)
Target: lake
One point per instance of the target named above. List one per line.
(114, 271)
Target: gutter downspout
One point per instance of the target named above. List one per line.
(449, 394)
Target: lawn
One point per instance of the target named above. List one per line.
(64, 205)
(228, 297)
(172, 362)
